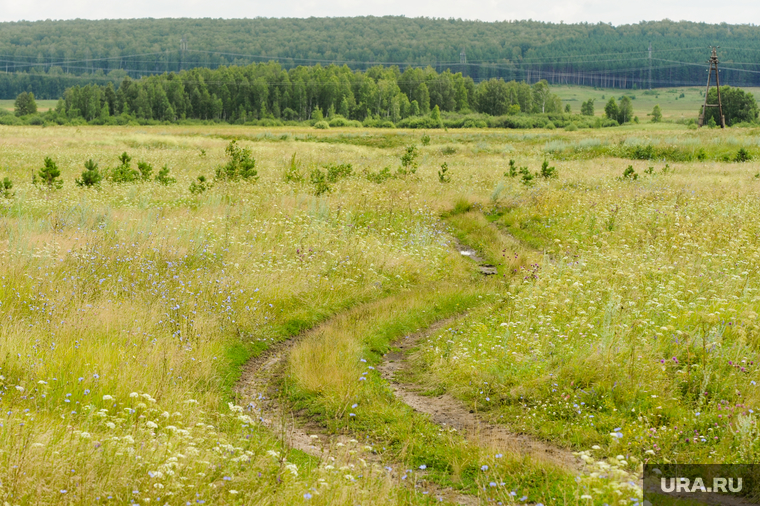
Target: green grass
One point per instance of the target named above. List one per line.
(674, 107)
(42, 105)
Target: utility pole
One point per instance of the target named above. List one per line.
(650, 66)
(182, 50)
(713, 61)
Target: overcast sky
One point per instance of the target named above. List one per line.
(570, 11)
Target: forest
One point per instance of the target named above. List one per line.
(46, 57)
(382, 96)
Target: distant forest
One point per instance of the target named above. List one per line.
(46, 57)
(267, 91)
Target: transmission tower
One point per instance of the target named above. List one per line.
(650, 66)
(182, 50)
(713, 61)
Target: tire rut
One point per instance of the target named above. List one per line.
(259, 393)
(447, 411)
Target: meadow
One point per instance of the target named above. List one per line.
(620, 326)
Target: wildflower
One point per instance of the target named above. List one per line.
(423, 467)
(151, 425)
(108, 398)
(233, 492)
(307, 496)
(484, 468)
(292, 468)
(134, 395)
(85, 435)
(19, 388)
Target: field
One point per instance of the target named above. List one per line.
(674, 106)
(363, 323)
(42, 105)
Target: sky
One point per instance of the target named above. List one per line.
(568, 11)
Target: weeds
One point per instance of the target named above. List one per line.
(443, 174)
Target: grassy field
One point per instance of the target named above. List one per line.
(674, 106)
(622, 323)
(42, 105)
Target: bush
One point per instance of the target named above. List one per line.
(526, 176)
(322, 125)
(91, 176)
(5, 188)
(49, 175)
(337, 172)
(571, 127)
(742, 156)
(547, 172)
(409, 162)
(443, 174)
(512, 172)
(241, 164)
(200, 185)
(318, 179)
(146, 170)
(123, 173)
(629, 173)
(163, 176)
(380, 176)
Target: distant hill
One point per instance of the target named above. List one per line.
(52, 55)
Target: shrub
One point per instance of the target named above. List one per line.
(336, 172)
(163, 176)
(146, 170)
(5, 188)
(241, 164)
(629, 173)
(425, 140)
(547, 172)
(318, 179)
(91, 176)
(742, 156)
(380, 176)
(49, 175)
(322, 125)
(526, 176)
(571, 127)
(443, 175)
(200, 185)
(409, 162)
(512, 172)
(123, 173)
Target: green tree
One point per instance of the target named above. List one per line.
(91, 176)
(656, 114)
(240, 164)
(738, 105)
(587, 107)
(25, 104)
(435, 115)
(625, 110)
(49, 175)
(611, 109)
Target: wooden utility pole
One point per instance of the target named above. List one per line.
(713, 61)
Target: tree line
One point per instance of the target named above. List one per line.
(45, 56)
(267, 91)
